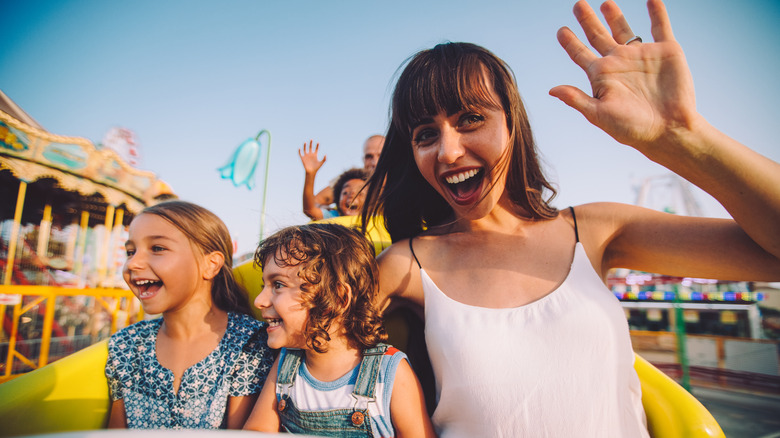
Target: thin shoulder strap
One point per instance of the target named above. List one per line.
(413, 254)
(574, 218)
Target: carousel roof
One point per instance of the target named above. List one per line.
(31, 153)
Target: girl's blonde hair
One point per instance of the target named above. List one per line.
(330, 257)
(209, 234)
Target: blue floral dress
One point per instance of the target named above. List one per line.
(237, 367)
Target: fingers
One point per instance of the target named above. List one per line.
(596, 33)
(621, 31)
(315, 148)
(575, 98)
(578, 52)
(660, 26)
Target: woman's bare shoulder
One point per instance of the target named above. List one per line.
(398, 272)
(602, 218)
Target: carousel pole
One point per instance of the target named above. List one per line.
(9, 266)
(44, 233)
(70, 248)
(111, 256)
(81, 248)
(102, 258)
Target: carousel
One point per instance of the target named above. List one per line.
(66, 203)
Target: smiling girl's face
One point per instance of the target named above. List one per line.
(163, 268)
(281, 305)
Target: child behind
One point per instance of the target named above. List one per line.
(347, 192)
(333, 376)
(204, 362)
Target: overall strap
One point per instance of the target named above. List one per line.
(413, 254)
(574, 218)
(365, 386)
(288, 369)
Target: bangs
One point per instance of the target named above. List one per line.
(286, 248)
(450, 78)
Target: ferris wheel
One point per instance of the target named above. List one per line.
(668, 192)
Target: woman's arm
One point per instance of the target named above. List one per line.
(407, 405)
(264, 416)
(116, 415)
(643, 96)
(627, 236)
(399, 277)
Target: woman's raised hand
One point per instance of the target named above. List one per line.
(642, 92)
(311, 164)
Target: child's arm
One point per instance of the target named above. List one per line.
(238, 409)
(264, 416)
(325, 196)
(311, 165)
(407, 405)
(116, 415)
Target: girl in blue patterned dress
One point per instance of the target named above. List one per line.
(204, 362)
(334, 376)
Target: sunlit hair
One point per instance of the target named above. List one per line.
(348, 175)
(330, 257)
(451, 77)
(207, 233)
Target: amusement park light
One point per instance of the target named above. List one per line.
(240, 169)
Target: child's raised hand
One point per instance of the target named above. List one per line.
(642, 92)
(311, 164)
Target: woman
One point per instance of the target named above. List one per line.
(524, 338)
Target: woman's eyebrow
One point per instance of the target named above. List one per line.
(423, 121)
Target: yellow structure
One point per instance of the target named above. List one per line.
(72, 393)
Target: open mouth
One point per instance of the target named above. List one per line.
(464, 186)
(147, 288)
(273, 322)
(351, 210)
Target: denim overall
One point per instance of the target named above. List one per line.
(354, 421)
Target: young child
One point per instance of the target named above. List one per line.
(349, 192)
(333, 376)
(204, 362)
(346, 192)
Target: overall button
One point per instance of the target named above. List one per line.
(282, 405)
(358, 418)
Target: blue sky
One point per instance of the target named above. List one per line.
(193, 79)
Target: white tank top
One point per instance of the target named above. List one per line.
(562, 366)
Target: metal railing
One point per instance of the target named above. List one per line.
(77, 318)
(724, 361)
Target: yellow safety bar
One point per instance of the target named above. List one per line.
(48, 295)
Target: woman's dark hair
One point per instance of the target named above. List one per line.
(330, 257)
(348, 175)
(451, 77)
(208, 234)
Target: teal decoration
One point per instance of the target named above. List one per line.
(241, 167)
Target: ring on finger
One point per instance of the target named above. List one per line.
(632, 39)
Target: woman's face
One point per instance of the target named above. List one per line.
(458, 153)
